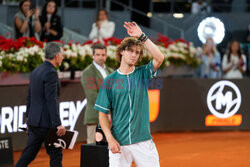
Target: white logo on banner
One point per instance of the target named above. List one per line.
(12, 117)
(61, 143)
(221, 98)
(69, 112)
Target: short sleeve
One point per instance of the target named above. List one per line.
(148, 71)
(103, 103)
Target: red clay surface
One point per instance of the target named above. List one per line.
(188, 149)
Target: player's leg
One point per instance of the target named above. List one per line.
(124, 159)
(145, 154)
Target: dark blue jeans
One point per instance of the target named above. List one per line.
(36, 137)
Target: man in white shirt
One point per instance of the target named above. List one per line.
(92, 78)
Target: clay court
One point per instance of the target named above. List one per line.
(182, 149)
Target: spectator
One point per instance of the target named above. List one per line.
(92, 78)
(234, 63)
(26, 21)
(200, 6)
(102, 28)
(210, 60)
(52, 28)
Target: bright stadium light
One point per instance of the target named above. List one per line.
(211, 27)
(149, 14)
(178, 15)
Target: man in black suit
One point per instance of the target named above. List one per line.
(43, 107)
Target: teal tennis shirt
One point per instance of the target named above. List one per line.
(126, 97)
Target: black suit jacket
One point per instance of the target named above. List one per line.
(42, 100)
(55, 24)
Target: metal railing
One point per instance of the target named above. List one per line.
(165, 24)
(68, 35)
(6, 31)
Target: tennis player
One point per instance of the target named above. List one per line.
(125, 94)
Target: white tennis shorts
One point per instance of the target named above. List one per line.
(144, 154)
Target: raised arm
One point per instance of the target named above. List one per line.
(22, 26)
(37, 21)
(135, 31)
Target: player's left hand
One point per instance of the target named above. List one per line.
(133, 29)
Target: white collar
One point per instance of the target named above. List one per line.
(98, 66)
(125, 74)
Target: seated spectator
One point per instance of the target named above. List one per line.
(26, 21)
(102, 28)
(234, 63)
(52, 28)
(200, 6)
(210, 60)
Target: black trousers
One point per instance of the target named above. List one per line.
(36, 137)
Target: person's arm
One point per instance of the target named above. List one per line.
(103, 105)
(215, 65)
(229, 68)
(114, 146)
(226, 66)
(135, 31)
(53, 32)
(107, 30)
(59, 27)
(22, 26)
(93, 32)
(37, 21)
(57, 30)
(242, 64)
(50, 91)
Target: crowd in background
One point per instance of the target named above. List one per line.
(47, 26)
(232, 65)
(29, 23)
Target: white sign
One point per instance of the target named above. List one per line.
(211, 27)
(12, 117)
(221, 98)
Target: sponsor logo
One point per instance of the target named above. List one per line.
(13, 117)
(4, 144)
(223, 101)
(61, 143)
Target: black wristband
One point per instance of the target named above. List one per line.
(144, 40)
(143, 37)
